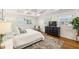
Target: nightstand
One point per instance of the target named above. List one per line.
(37, 28)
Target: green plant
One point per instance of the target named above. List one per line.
(75, 23)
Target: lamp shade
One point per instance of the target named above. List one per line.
(5, 27)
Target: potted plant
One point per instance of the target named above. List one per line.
(75, 23)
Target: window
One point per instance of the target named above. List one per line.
(28, 21)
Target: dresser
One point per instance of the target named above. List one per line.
(52, 30)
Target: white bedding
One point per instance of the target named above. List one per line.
(27, 39)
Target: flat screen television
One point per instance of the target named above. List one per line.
(52, 23)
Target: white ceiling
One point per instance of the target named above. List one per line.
(36, 12)
(39, 12)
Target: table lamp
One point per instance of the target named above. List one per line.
(5, 27)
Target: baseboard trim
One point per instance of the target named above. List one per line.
(60, 37)
(67, 38)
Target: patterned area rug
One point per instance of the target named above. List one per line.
(48, 43)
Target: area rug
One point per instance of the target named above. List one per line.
(48, 43)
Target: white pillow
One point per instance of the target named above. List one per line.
(22, 30)
(29, 30)
(15, 29)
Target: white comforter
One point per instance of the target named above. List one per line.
(27, 39)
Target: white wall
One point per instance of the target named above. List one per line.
(42, 19)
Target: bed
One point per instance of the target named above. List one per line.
(26, 39)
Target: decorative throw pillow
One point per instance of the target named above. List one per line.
(22, 30)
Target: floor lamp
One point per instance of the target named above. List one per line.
(5, 27)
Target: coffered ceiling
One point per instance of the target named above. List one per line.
(40, 12)
(35, 12)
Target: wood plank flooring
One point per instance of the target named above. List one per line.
(68, 44)
(71, 44)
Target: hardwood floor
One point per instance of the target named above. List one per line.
(68, 44)
(71, 44)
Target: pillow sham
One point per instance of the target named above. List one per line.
(22, 30)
